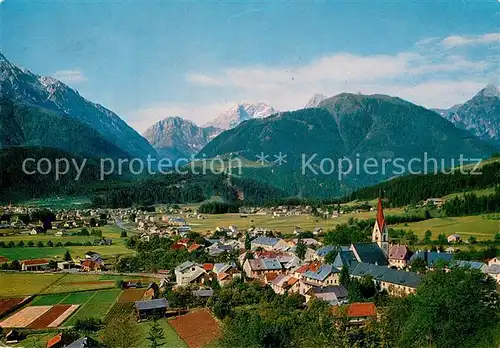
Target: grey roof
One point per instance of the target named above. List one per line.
(385, 274)
(325, 250)
(183, 266)
(84, 342)
(265, 240)
(469, 264)
(370, 253)
(344, 258)
(151, 304)
(323, 272)
(203, 293)
(265, 264)
(431, 257)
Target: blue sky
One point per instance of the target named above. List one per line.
(147, 61)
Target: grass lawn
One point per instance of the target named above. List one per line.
(48, 300)
(481, 226)
(27, 253)
(58, 202)
(77, 297)
(97, 306)
(171, 337)
(285, 225)
(22, 284)
(479, 193)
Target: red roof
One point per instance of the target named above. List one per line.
(271, 276)
(194, 247)
(361, 309)
(380, 215)
(177, 246)
(313, 267)
(208, 266)
(54, 340)
(3, 259)
(35, 262)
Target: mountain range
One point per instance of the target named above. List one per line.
(352, 126)
(175, 137)
(480, 115)
(24, 87)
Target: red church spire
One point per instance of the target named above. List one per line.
(380, 215)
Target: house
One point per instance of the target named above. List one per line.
(357, 313)
(335, 295)
(395, 282)
(494, 261)
(91, 266)
(84, 342)
(322, 252)
(34, 265)
(151, 308)
(152, 291)
(325, 275)
(454, 238)
(317, 230)
(194, 247)
(268, 243)
(65, 265)
(399, 256)
(189, 272)
(313, 266)
(432, 257)
(369, 253)
(344, 258)
(438, 202)
(257, 268)
(93, 256)
(283, 283)
(203, 293)
(56, 341)
(37, 230)
(493, 270)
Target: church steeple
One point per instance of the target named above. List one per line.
(380, 235)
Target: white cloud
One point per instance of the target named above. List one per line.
(429, 76)
(457, 41)
(69, 76)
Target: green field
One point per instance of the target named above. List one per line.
(479, 193)
(285, 225)
(48, 300)
(22, 284)
(25, 253)
(96, 306)
(171, 337)
(481, 226)
(58, 202)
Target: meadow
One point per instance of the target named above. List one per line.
(482, 227)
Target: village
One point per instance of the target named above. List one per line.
(295, 261)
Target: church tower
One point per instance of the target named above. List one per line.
(380, 234)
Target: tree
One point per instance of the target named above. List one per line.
(53, 264)
(123, 234)
(468, 310)
(330, 256)
(15, 265)
(344, 278)
(31, 244)
(418, 265)
(20, 244)
(122, 332)
(472, 240)
(88, 325)
(50, 244)
(93, 222)
(67, 256)
(427, 237)
(300, 249)
(248, 243)
(156, 335)
(442, 239)
(40, 244)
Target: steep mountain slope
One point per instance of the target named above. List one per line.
(26, 126)
(480, 115)
(314, 101)
(175, 137)
(355, 126)
(239, 113)
(24, 87)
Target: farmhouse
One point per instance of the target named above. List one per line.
(34, 265)
(335, 295)
(324, 276)
(283, 283)
(150, 308)
(431, 257)
(91, 266)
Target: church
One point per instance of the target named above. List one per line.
(376, 252)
